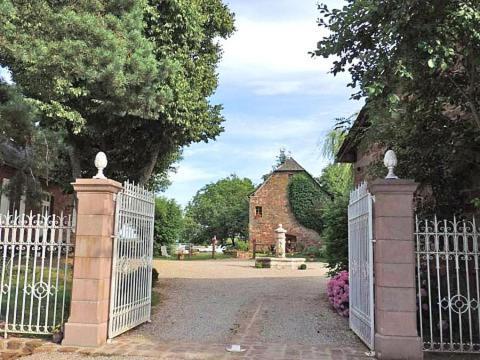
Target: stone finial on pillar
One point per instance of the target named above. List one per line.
(280, 241)
(100, 163)
(390, 161)
(396, 334)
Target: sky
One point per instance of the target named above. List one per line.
(274, 96)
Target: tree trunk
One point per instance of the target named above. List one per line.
(150, 162)
(74, 162)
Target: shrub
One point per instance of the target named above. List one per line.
(302, 267)
(154, 277)
(241, 245)
(337, 290)
(335, 234)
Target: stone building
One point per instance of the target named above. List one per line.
(54, 200)
(269, 206)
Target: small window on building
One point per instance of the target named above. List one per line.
(258, 211)
(46, 202)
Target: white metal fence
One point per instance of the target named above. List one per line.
(360, 259)
(448, 284)
(130, 298)
(35, 268)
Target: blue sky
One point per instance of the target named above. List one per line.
(274, 95)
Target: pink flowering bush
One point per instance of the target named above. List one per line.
(337, 290)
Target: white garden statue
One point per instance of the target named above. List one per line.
(100, 163)
(280, 237)
(390, 162)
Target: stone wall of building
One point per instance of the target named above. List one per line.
(272, 196)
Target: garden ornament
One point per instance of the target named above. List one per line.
(390, 162)
(100, 163)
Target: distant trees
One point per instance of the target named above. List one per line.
(220, 209)
(169, 222)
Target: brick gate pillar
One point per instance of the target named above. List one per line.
(396, 335)
(88, 321)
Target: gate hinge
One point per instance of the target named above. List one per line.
(374, 240)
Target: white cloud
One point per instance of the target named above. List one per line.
(271, 57)
(186, 173)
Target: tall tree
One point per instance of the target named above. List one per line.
(131, 78)
(417, 63)
(168, 222)
(221, 209)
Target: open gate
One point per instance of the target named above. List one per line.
(131, 285)
(360, 260)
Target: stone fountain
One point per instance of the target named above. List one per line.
(280, 261)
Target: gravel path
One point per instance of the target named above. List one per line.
(222, 301)
(212, 304)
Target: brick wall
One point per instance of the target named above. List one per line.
(61, 201)
(272, 196)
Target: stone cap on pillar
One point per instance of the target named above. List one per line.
(97, 185)
(399, 186)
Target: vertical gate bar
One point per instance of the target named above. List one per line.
(58, 248)
(447, 247)
(25, 280)
(457, 272)
(437, 255)
(34, 270)
(11, 261)
(4, 248)
(420, 305)
(5, 289)
(19, 262)
(42, 267)
(370, 270)
(475, 250)
(476, 254)
(68, 246)
(114, 267)
(467, 276)
(50, 264)
(27, 258)
(427, 250)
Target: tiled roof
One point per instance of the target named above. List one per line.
(289, 165)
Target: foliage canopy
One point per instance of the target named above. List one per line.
(168, 222)
(417, 64)
(221, 209)
(130, 78)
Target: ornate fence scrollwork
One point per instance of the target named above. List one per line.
(35, 272)
(448, 284)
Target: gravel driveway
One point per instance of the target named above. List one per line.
(225, 301)
(207, 305)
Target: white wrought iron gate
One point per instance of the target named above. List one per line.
(448, 284)
(131, 286)
(360, 260)
(35, 272)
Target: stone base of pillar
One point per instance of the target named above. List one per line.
(398, 347)
(91, 335)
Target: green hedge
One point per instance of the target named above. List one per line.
(305, 199)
